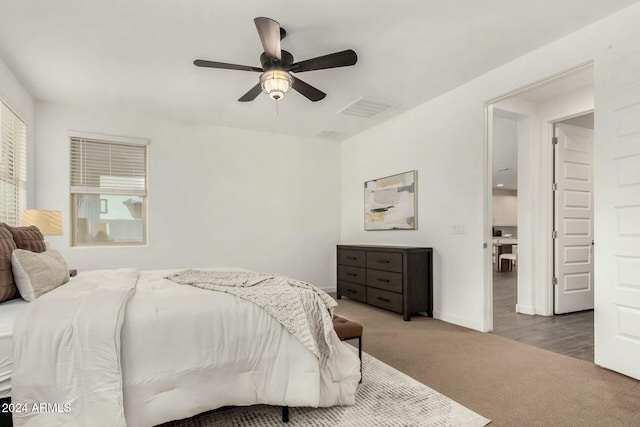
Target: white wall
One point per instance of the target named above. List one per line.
(13, 93)
(505, 152)
(444, 140)
(217, 196)
(528, 163)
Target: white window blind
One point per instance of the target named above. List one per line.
(106, 167)
(13, 170)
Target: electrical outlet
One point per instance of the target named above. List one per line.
(458, 229)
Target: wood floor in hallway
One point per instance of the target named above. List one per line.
(568, 334)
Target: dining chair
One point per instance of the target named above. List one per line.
(513, 257)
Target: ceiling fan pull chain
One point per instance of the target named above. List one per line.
(277, 108)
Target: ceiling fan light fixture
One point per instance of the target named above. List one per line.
(276, 83)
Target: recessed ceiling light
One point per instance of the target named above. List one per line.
(500, 185)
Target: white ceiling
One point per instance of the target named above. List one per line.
(137, 55)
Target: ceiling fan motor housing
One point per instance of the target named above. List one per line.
(269, 63)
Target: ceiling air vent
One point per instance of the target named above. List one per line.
(366, 107)
(325, 133)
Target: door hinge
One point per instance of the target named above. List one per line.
(554, 281)
(554, 140)
(554, 234)
(554, 186)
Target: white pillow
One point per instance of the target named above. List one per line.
(38, 273)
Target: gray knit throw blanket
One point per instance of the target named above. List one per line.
(304, 310)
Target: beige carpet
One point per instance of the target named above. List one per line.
(512, 384)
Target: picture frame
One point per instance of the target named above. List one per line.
(390, 202)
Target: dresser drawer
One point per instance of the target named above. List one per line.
(353, 258)
(353, 291)
(386, 261)
(352, 274)
(385, 280)
(385, 299)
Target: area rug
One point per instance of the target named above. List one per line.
(386, 398)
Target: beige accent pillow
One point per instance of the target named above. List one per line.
(38, 273)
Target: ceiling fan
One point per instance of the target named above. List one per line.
(277, 65)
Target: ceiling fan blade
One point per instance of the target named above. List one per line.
(332, 60)
(224, 65)
(252, 94)
(269, 32)
(310, 92)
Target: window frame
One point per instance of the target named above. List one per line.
(108, 139)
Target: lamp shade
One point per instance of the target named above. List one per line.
(276, 83)
(49, 222)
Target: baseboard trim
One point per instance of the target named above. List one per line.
(329, 290)
(460, 321)
(525, 309)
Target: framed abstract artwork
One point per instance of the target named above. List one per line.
(390, 202)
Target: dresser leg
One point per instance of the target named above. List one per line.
(407, 317)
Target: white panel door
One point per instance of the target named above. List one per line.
(573, 250)
(617, 208)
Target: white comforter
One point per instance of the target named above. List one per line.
(183, 350)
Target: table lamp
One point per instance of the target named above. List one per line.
(49, 222)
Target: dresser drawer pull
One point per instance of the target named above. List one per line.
(352, 258)
(352, 274)
(384, 299)
(383, 280)
(384, 261)
(352, 291)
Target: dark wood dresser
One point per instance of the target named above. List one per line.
(396, 278)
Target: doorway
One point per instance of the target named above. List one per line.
(523, 298)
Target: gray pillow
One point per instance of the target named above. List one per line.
(38, 273)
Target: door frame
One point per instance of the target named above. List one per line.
(543, 251)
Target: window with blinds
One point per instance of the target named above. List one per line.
(108, 192)
(13, 166)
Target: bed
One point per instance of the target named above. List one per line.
(165, 351)
(8, 312)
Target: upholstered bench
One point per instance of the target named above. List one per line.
(349, 330)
